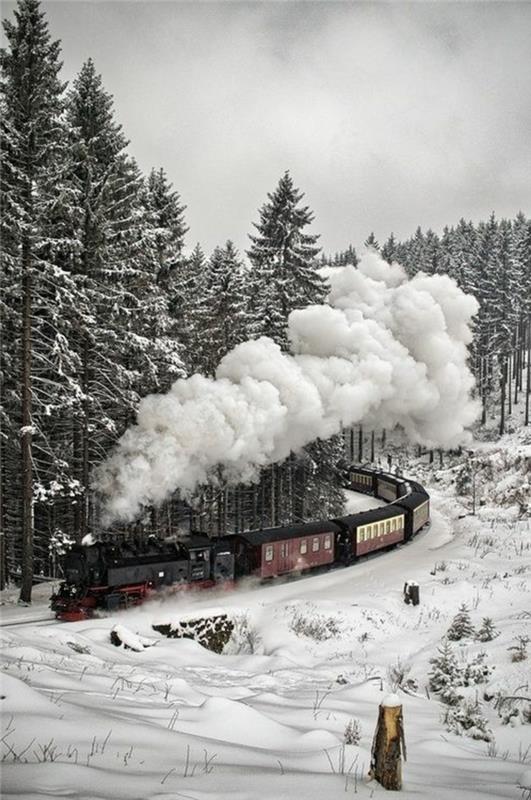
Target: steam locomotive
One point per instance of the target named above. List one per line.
(110, 576)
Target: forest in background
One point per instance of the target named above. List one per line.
(102, 304)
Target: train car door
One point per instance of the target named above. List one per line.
(283, 557)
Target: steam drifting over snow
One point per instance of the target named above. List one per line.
(386, 348)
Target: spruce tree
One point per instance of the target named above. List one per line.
(389, 249)
(224, 307)
(33, 153)
(283, 256)
(444, 675)
(284, 277)
(487, 632)
(461, 627)
(371, 242)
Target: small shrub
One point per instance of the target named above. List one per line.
(314, 625)
(518, 651)
(244, 638)
(466, 719)
(352, 733)
(477, 671)
(398, 677)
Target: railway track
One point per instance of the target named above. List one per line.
(22, 623)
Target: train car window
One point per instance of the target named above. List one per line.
(382, 528)
(269, 552)
(284, 549)
(388, 527)
(327, 543)
(315, 544)
(303, 546)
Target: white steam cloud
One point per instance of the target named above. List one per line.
(386, 350)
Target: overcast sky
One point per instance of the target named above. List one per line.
(387, 115)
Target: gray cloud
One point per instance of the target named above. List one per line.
(387, 115)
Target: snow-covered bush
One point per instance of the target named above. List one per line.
(244, 637)
(308, 622)
(461, 626)
(487, 632)
(352, 733)
(518, 651)
(467, 719)
(398, 677)
(477, 671)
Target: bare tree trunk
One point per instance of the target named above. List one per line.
(3, 548)
(26, 435)
(273, 507)
(509, 384)
(503, 386)
(85, 454)
(528, 371)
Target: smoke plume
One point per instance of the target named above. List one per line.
(386, 350)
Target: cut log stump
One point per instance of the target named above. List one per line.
(388, 745)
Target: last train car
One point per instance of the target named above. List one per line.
(417, 508)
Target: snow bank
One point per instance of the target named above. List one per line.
(385, 347)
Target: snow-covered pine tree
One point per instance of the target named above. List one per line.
(224, 307)
(431, 256)
(284, 274)
(371, 242)
(487, 632)
(389, 249)
(126, 345)
(168, 227)
(39, 298)
(445, 675)
(461, 626)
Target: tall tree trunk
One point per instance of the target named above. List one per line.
(273, 506)
(528, 378)
(85, 451)
(26, 436)
(503, 386)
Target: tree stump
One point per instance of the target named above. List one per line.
(388, 744)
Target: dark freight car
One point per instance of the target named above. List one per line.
(281, 551)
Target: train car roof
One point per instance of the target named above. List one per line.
(374, 515)
(298, 531)
(412, 500)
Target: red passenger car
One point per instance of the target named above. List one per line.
(281, 551)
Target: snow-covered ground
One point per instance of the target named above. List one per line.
(266, 719)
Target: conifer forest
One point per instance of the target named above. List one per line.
(104, 299)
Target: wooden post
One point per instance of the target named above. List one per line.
(388, 744)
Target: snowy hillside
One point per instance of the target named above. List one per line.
(267, 718)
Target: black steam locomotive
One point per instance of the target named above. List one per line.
(111, 575)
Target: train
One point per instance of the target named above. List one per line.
(109, 575)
